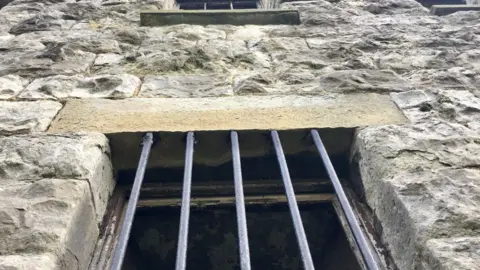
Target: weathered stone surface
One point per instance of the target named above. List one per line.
(113, 86)
(11, 85)
(174, 55)
(255, 83)
(29, 261)
(54, 87)
(186, 86)
(417, 105)
(74, 156)
(363, 80)
(410, 99)
(460, 107)
(108, 59)
(457, 78)
(49, 215)
(429, 65)
(421, 183)
(100, 86)
(246, 33)
(54, 60)
(193, 33)
(454, 253)
(25, 117)
(41, 23)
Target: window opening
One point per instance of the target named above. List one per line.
(216, 4)
(239, 204)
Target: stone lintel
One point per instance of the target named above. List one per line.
(226, 113)
(440, 10)
(231, 17)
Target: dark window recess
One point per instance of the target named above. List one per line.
(216, 4)
(267, 205)
(430, 3)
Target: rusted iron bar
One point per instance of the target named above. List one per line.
(121, 247)
(240, 204)
(360, 238)
(181, 261)
(292, 203)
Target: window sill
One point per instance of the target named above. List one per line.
(207, 17)
(441, 10)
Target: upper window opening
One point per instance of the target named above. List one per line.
(231, 12)
(216, 4)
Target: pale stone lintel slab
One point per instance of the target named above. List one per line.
(227, 113)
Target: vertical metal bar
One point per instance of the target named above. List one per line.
(205, 5)
(292, 203)
(240, 204)
(231, 4)
(181, 261)
(360, 238)
(119, 254)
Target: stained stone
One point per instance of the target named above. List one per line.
(461, 107)
(253, 83)
(26, 117)
(100, 86)
(389, 7)
(11, 85)
(55, 60)
(41, 23)
(108, 59)
(248, 33)
(112, 86)
(195, 32)
(274, 45)
(456, 78)
(69, 156)
(309, 60)
(28, 261)
(54, 87)
(410, 99)
(15, 13)
(363, 80)
(186, 86)
(454, 253)
(67, 37)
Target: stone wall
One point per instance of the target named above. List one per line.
(421, 179)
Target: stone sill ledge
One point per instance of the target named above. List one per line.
(231, 17)
(441, 10)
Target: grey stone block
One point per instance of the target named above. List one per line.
(26, 117)
(73, 156)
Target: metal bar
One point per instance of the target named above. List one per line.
(132, 204)
(360, 238)
(231, 5)
(240, 204)
(292, 203)
(181, 261)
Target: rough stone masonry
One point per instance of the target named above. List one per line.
(421, 179)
